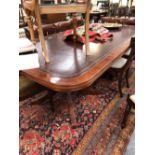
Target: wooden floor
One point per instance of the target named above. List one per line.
(70, 69)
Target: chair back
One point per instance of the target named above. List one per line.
(123, 11)
(132, 46)
(132, 53)
(21, 16)
(29, 4)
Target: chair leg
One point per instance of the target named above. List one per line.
(126, 113)
(120, 84)
(126, 77)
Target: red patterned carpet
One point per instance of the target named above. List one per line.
(46, 128)
(113, 139)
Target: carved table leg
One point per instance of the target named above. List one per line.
(71, 107)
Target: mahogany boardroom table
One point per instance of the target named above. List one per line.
(70, 69)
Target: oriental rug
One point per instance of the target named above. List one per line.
(45, 125)
(113, 139)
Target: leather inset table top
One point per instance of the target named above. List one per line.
(70, 68)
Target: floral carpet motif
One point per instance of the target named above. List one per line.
(45, 123)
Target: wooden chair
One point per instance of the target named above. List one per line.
(22, 22)
(122, 65)
(123, 11)
(130, 104)
(127, 54)
(34, 7)
(132, 11)
(113, 9)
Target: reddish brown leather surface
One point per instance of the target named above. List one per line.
(67, 58)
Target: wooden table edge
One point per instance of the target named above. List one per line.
(78, 82)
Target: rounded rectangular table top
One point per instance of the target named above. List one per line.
(70, 69)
